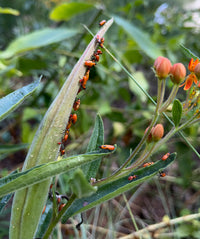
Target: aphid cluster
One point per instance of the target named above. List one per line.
(88, 64)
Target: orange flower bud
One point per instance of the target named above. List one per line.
(162, 67)
(177, 73)
(197, 70)
(157, 132)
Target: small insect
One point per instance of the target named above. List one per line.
(44, 209)
(74, 118)
(99, 52)
(62, 152)
(95, 57)
(130, 178)
(61, 206)
(85, 79)
(162, 174)
(166, 156)
(76, 104)
(147, 164)
(66, 137)
(89, 63)
(101, 42)
(106, 146)
(102, 23)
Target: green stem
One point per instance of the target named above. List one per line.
(160, 93)
(57, 219)
(170, 98)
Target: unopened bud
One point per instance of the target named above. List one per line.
(197, 70)
(157, 132)
(177, 73)
(162, 67)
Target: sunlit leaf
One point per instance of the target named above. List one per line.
(66, 11)
(142, 39)
(9, 11)
(37, 39)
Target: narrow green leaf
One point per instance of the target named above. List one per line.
(14, 99)
(96, 139)
(11, 148)
(142, 39)
(80, 185)
(66, 11)
(24, 179)
(117, 187)
(9, 11)
(37, 39)
(188, 52)
(177, 109)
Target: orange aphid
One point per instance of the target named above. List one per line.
(44, 209)
(162, 174)
(61, 206)
(89, 63)
(74, 118)
(130, 178)
(106, 146)
(147, 164)
(76, 104)
(102, 23)
(166, 156)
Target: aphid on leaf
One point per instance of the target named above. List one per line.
(130, 178)
(76, 104)
(89, 63)
(106, 146)
(166, 156)
(61, 206)
(147, 164)
(74, 118)
(102, 23)
(44, 209)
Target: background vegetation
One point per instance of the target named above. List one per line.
(157, 26)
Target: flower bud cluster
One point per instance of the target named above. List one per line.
(164, 68)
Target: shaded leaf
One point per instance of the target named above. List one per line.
(37, 39)
(176, 112)
(80, 185)
(96, 139)
(14, 99)
(188, 52)
(142, 39)
(117, 187)
(42, 172)
(12, 148)
(66, 11)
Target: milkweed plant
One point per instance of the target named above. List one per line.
(33, 216)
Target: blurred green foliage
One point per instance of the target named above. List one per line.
(126, 112)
